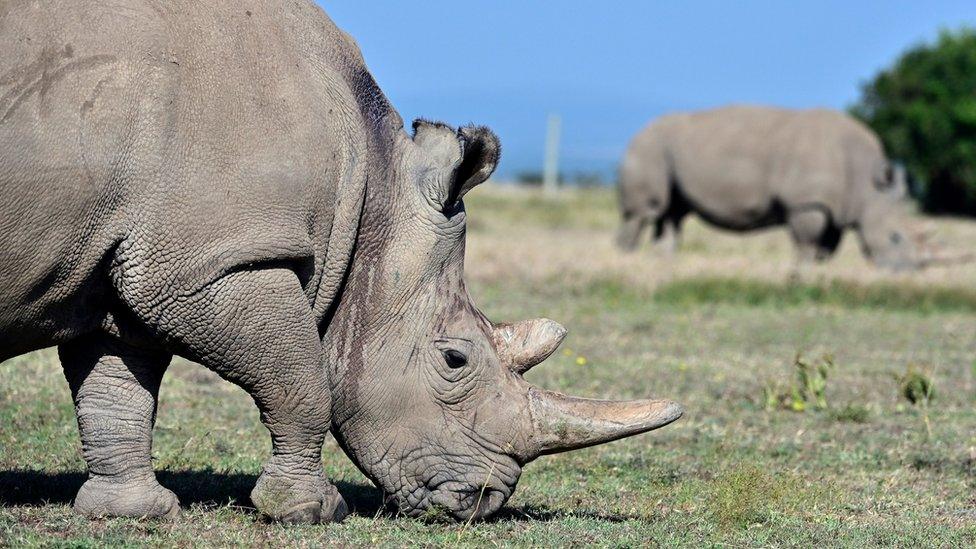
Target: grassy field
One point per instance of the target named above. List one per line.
(763, 456)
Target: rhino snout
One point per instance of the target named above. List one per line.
(467, 501)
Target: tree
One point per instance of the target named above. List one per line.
(924, 110)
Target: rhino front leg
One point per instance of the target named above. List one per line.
(809, 229)
(115, 388)
(628, 236)
(256, 329)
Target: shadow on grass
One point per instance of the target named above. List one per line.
(21, 487)
(34, 488)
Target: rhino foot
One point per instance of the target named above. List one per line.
(102, 497)
(301, 500)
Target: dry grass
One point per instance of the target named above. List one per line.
(520, 236)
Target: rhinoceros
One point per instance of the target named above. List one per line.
(226, 182)
(741, 168)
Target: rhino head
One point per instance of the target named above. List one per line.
(884, 231)
(882, 223)
(428, 395)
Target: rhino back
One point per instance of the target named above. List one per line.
(743, 166)
(170, 141)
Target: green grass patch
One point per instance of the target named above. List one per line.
(750, 494)
(905, 297)
(851, 413)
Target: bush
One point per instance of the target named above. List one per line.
(924, 110)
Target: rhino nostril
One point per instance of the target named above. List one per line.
(486, 502)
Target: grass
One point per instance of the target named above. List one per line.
(853, 413)
(863, 472)
(838, 293)
(750, 495)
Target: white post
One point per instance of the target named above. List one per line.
(550, 172)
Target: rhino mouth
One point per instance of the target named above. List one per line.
(466, 501)
(453, 499)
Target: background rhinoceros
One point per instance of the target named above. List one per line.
(226, 182)
(819, 172)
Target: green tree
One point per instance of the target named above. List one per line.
(924, 110)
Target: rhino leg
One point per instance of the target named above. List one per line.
(256, 329)
(630, 231)
(667, 234)
(115, 388)
(814, 235)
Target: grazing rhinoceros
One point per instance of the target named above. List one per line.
(741, 168)
(226, 182)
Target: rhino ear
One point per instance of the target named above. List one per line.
(465, 158)
(439, 141)
(481, 151)
(894, 180)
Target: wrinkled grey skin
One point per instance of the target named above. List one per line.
(741, 168)
(227, 183)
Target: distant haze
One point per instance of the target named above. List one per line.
(610, 67)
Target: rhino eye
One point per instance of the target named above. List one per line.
(455, 359)
(895, 238)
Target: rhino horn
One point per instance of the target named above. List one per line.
(933, 253)
(934, 260)
(924, 236)
(522, 345)
(561, 423)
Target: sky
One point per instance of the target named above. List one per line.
(608, 68)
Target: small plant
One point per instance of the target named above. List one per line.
(916, 386)
(813, 379)
(809, 387)
(777, 396)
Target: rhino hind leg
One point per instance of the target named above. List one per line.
(115, 390)
(256, 329)
(667, 234)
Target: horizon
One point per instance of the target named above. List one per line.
(607, 73)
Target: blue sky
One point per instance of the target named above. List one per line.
(609, 67)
